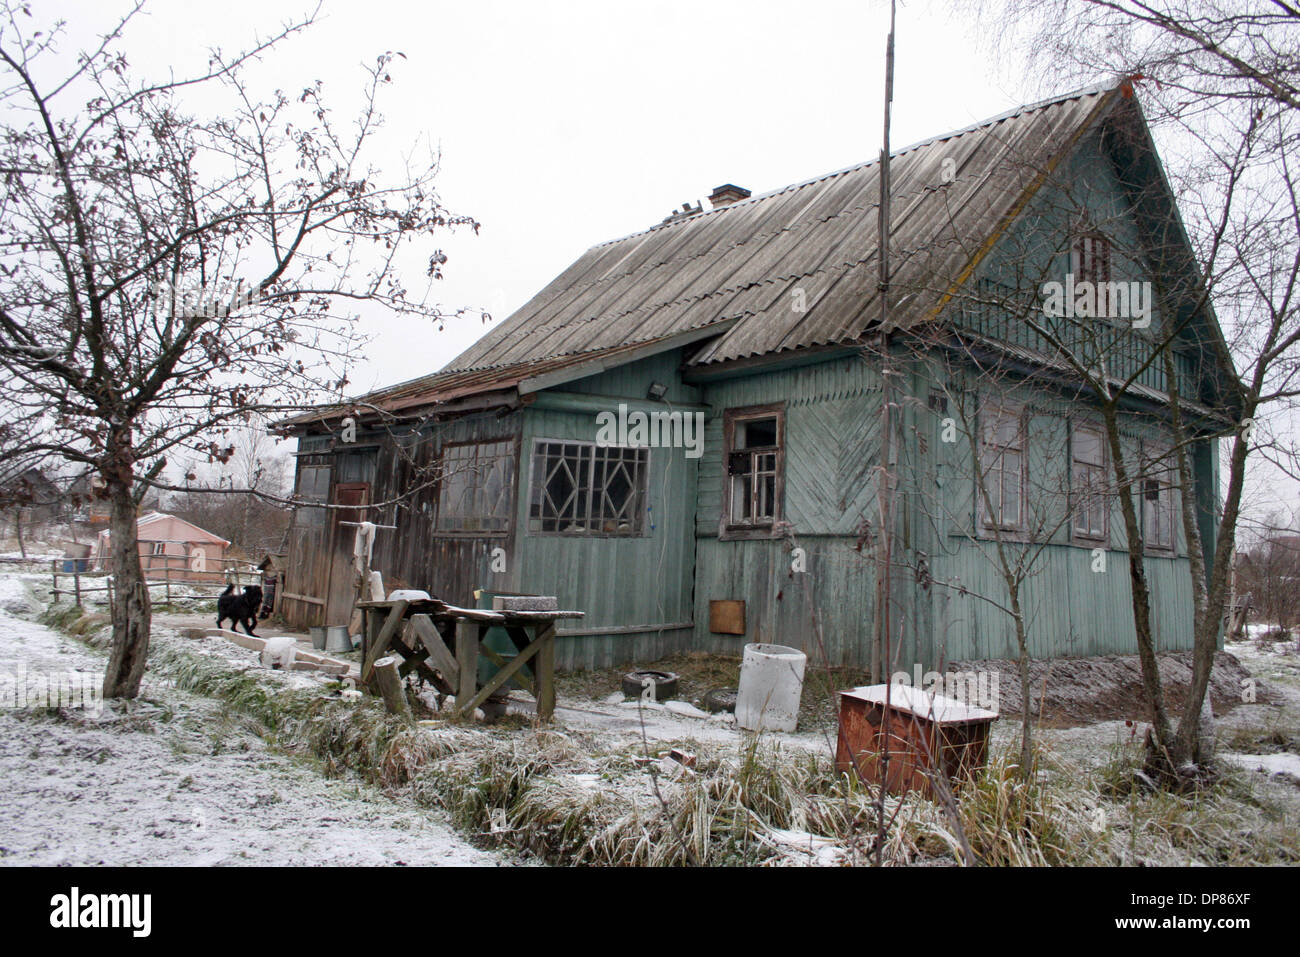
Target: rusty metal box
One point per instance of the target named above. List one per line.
(927, 735)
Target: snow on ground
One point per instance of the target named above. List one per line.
(176, 780)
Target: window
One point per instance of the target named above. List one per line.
(474, 487)
(1088, 483)
(580, 488)
(1090, 262)
(753, 450)
(314, 474)
(1002, 464)
(1090, 258)
(1158, 505)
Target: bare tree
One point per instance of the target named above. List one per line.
(1219, 82)
(163, 273)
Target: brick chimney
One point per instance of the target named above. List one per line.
(726, 194)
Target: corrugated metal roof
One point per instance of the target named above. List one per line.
(741, 267)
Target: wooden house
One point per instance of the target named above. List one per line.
(685, 434)
(172, 548)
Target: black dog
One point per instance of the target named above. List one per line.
(240, 609)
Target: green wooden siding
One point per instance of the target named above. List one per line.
(639, 587)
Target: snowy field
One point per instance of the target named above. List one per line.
(177, 780)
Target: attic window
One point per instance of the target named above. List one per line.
(755, 465)
(1090, 262)
(580, 488)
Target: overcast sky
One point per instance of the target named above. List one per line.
(565, 124)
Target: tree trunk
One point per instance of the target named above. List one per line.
(1160, 738)
(1026, 693)
(131, 612)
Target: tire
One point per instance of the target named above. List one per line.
(721, 699)
(665, 684)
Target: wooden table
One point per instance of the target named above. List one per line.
(442, 644)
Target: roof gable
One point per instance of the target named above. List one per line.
(795, 267)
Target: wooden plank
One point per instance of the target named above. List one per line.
(439, 653)
(467, 638)
(394, 619)
(519, 638)
(500, 678)
(307, 598)
(374, 624)
(500, 661)
(544, 669)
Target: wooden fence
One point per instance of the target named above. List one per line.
(84, 582)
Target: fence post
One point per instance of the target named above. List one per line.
(76, 582)
(54, 571)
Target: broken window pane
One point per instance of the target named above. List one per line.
(753, 465)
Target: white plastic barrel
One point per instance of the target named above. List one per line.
(771, 683)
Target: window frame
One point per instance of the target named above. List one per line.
(641, 528)
(1077, 534)
(1167, 475)
(731, 418)
(512, 442)
(984, 521)
(1091, 258)
(313, 509)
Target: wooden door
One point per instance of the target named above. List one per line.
(354, 496)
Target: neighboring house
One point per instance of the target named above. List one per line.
(90, 508)
(762, 316)
(171, 547)
(32, 497)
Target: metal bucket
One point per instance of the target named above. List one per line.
(337, 638)
(317, 637)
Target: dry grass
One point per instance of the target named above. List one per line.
(699, 672)
(569, 797)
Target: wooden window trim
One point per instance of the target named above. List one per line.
(1077, 536)
(1161, 453)
(732, 531)
(511, 512)
(986, 528)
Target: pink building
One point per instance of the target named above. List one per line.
(171, 547)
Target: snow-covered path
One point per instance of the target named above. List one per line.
(178, 780)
